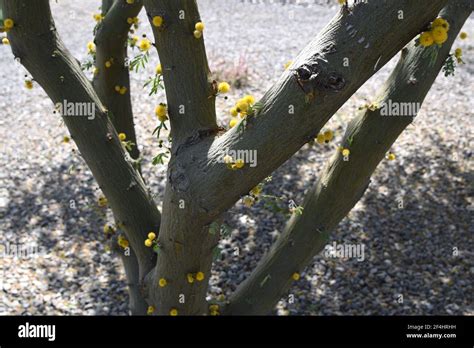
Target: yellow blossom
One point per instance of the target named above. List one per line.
(223, 87)
(144, 45)
(162, 282)
(295, 276)
(440, 22)
(102, 201)
(234, 112)
(458, 53)
(346, 152)
(8, 23)
(328, 135)
(160, 111)
(151, 235)
(233, 122)
(199, 276)
(238, 164)
(108, 64)
(248, 201)
(463, 35)
(157, 21)
(95, 71)
(173, 312)
(130, 2)
(288, 64)
(123, 242)
(159, 69)
(122, 136)
(391, 156)
(440, 35)
(256, 190)
(190, 278)
(108, 229)
(197, 34)
(123, 90)
(98, 17)
(426, 39)
(242, 106)
(148, 242)
(320, 138)
(5, 41)
(66, 139)
(199, 26)
(249, 99)
(150, 310)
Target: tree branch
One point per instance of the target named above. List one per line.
(111, 45)
(189, 92)
(301, 102)
(333, 196)
(35, 41)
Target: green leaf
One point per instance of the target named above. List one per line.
(158, 159)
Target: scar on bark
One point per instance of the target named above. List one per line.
(313, 77)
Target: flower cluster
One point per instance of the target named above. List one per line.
(121, 89)
(151, 239)
(191, 277)
(102, 201)
(438, 33)
(325, 137)
(233, 164)
(199, 28)
(250, 199)
(214, 309)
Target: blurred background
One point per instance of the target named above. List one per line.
(423, 251)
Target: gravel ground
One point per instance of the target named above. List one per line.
(47, 194)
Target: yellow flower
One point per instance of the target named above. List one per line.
(256, 190)
(463, 35)
(5, 41)
(341, 2)
(346, 152)
(28, 84)
(214, 313)
(162, 282)
(391, 156)
(173, 312)
(199, 276)
(295, 276)
(150, 309)
(248, 201)
(199, 26)
(157, 21)
(130, 2)
(122, 136)
(123, 90)
(161, 111)
(134, 39)
(130, 20)
(123, 242)
(90, 47)
(426, 39)
(223, 87)
(108, 64)
(238, 164)
(328, 135)
(66, 139)
(117, 88)
(151, 235)
(190, 278)
(458, 53)
(234, 112)
(144, 45)
(159, 69)
(440, 22)
(288, 64)
(214, 307)
(102, 201)
(440, 35)
(197, 34)
(233, 122)
(108, 229)
(98, 17)
(249, 99)
(95, 71)
(320, 138)
(148, 242)
(242, 106)
(8, 23)
(243, 114)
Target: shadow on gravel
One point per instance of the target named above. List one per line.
(62, 216)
